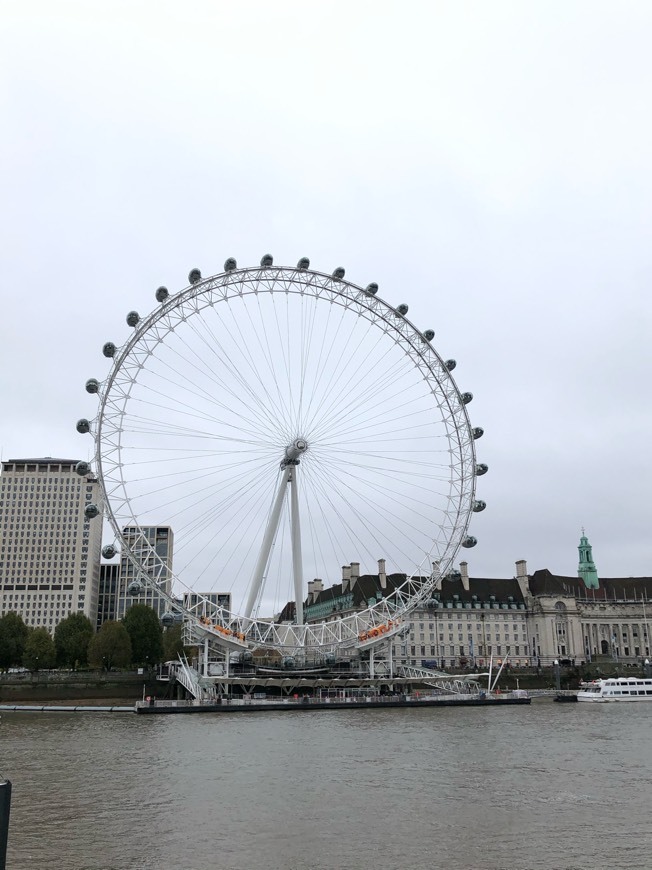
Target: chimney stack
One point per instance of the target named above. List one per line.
(382, 575)
(522, 578)
(355, 573)
(464, 571)
(346, 578)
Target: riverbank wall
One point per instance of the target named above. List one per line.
(88, 686)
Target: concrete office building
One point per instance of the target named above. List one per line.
(49, 551)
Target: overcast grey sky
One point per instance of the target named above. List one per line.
(488, 163)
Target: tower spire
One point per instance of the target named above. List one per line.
(586, 568)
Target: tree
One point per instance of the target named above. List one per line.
(146, 634)
(173, 643)
(13, 637)
(40, 651)
(110, 647)
(71, 638)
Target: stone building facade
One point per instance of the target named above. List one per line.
(534, 619)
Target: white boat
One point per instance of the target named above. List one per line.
(616, 689)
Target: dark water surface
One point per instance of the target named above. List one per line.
(546, 786)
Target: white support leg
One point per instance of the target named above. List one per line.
(297, 566)
(268, 540)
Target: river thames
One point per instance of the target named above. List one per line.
(544, 787)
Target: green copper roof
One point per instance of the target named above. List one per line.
(586, 568)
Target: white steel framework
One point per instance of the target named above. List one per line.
(382, 395)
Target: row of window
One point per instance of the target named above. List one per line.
(463, 650)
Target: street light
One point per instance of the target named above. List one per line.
(647, 667)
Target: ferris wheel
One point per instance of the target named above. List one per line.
(283, 423)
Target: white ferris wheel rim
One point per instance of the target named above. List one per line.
(224, 287)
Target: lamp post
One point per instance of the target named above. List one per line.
(647, 667)
(557, 675)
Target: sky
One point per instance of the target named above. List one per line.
(486, 163)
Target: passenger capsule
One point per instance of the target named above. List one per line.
(450, 364)
(162, 294)
(134, 588)
(266, 261)
(132, 318)
(91, 511)
(247, 657)
(479, 506)
(167, 619)
(429, 334)
(82, 469)
(469, 542)
(83, 426)
(466, 398)
(478, 432)
(402, 309)
(371, 289)
(304, 263)
(287, 663)
(92, 385)
(109, 551)
(230, 265)
(194, 276)
(481, 468)
(109, 349)
(338, 273)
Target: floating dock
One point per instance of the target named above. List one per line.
(292, 705)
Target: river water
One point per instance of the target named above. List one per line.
(554, 786)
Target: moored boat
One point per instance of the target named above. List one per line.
(627, 689)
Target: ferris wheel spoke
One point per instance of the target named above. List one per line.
(201, 474)
(308, 318)
(269, 358)
(237, 373)
(330, 392)
(374, 378)
(199, 365)
(390, 519)
(205, 396)
(248, 354)
(360, 545)
(407, 500)
(188, 413)
(222, 385)
(326, 348)
(241, 518)
(367, 416)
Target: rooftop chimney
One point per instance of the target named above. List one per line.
(355, 573)
(346, 578)
(522, 577)
(464, 571)
(314, 588)
(382, 576)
